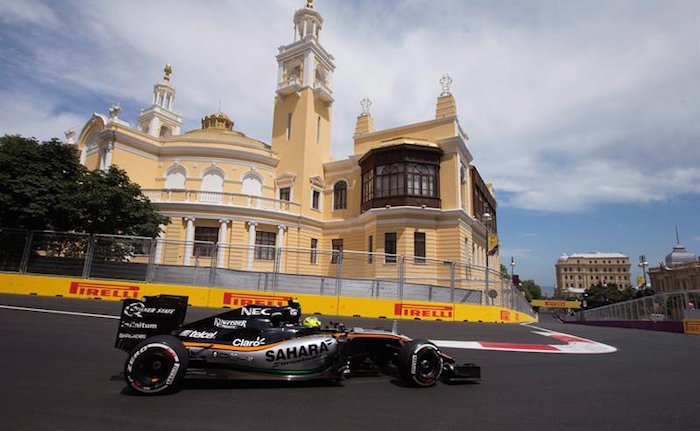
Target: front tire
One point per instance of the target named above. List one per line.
(420, 363)
(157, 365)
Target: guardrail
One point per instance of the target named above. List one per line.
(261, 268)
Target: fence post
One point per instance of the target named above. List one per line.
(88, 256)
(150, 270)
(400, 270)
(26, 253)
(339, 274)
(452, 282)
(213, 263)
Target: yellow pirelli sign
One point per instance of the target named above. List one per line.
(691, 326)
(552, 303)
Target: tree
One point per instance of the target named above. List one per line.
(504, 272)
(532, 290)
(107, 202)
(600, 294)
(34, 179)
(44, 186)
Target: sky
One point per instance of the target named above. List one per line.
(585, 116)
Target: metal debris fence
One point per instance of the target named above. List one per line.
(673, 306)
(259, 268)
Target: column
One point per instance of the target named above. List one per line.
(280, 244)
(189, 240)
(459, 182)
(251, 243)
(159, 244)
(223, 242)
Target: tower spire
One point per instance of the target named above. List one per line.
(160, 120)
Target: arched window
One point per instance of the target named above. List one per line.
(252, 186)
(164, 132)
(421, 180)
(340, 195)
(212, 186)
(175, 178)
(390, 180)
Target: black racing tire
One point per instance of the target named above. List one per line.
(420, 363)
(156, 365)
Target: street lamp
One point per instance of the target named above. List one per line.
(643, 264)
(486, 219)
(512, 266)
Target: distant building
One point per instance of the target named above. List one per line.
(580, 271)
(679, 271)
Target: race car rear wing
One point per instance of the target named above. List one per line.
(152, 315)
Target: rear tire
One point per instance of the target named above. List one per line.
(157, 365)
(420, 363)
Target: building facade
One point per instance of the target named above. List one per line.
(579, 271)
(410, 190)
(678, 272)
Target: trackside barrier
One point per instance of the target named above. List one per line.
(225, 297)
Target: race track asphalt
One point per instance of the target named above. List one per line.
(57, 374)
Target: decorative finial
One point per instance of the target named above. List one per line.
(168, 70)
(114, 112)
(70, 135)
(445, 81)
(365, 103)
(310, 4)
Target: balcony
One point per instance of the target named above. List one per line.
(288, 87)
(323, 92)
(235, 200)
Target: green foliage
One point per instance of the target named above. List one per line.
(599, 294)
(44, 186)
(531, 289)
(504, 272)
(34, 179)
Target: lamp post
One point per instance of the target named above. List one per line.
(486, 219)
(512, 267)
(643, 264)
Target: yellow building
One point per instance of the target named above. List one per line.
(580, 271)
(410, 190)
(680, 271)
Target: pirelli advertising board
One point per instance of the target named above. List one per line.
(220, 297)
(691, 326)
(553, 303)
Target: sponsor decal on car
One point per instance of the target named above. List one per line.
(242, 342)
(229, 324)
(132, 336)
(246, 311)
(101, 290)
(243, 299)
(139, 325)
(288, 355)
(198, 334)
(505, 315)
(138, 309)
(423, 310)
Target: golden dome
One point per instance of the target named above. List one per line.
(217, 121)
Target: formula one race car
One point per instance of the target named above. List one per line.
(261, 342)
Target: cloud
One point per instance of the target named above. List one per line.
(567, 106)
(33, 117)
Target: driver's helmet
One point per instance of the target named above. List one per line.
(311, 322)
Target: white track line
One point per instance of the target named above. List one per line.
(71, 313)
(574, 344)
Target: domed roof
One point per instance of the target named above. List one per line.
(218, 120)
(680, 256)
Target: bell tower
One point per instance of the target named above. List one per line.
(160, 120)
(301, 128)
